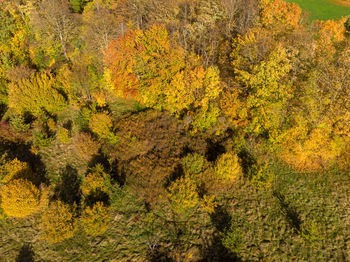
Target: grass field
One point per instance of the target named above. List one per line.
(322, 9)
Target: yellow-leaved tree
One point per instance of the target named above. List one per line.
(14, 169)
(58, 222)
(19, 198)
(95, 219)
(35, 95)
(146, 66)
(228, 167)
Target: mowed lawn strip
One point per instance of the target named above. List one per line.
(322, 9)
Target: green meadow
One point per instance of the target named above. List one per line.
(322, 9)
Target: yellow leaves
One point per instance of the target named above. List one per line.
(162, 76)
(95, 219)
(317, 151)
(100, 99)
(101, 124)
(278, 13)
(93, 182)
(190, 89)
(329, 32)
(183, 195)
(34, 94)
(209, 204)
(63, 135)
(14, 169)
(57, 222)
(331, 29)
(212, 88)
(154, 43)
(19, 198)
(233, 107)
(268, 93)
(227, 167)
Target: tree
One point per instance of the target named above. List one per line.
(101, 124)
(55, 22)
(95, 219)
(101, 25)
(94, 182)
(36, 95)
(267, 92)
(58, 222)
(19, 198)
(183, 195)
(280, 14)
(146, 66)
(228, 168)
(14, 169)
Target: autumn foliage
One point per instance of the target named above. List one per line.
(173, 130)
(19, 198)
(58, 222)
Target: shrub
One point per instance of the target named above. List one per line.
(19, 198)
(261, 176)
(228, 167)
(41, 139)
(95, 220)
(101, 124)
(57, 222)
(85, 147)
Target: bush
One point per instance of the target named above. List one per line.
(85, 147)
(95, 220)
(261, 176)
(228, 167)
(41, 139)
(19, 198)
(101, 124)
(57, 222)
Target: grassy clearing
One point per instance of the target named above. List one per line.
(322, 9)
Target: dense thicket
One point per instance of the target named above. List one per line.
(164, 130)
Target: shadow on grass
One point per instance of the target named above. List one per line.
(69, 189)
(26, 254)
(288, 211)
(216, 252)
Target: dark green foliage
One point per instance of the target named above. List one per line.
(76, 5)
